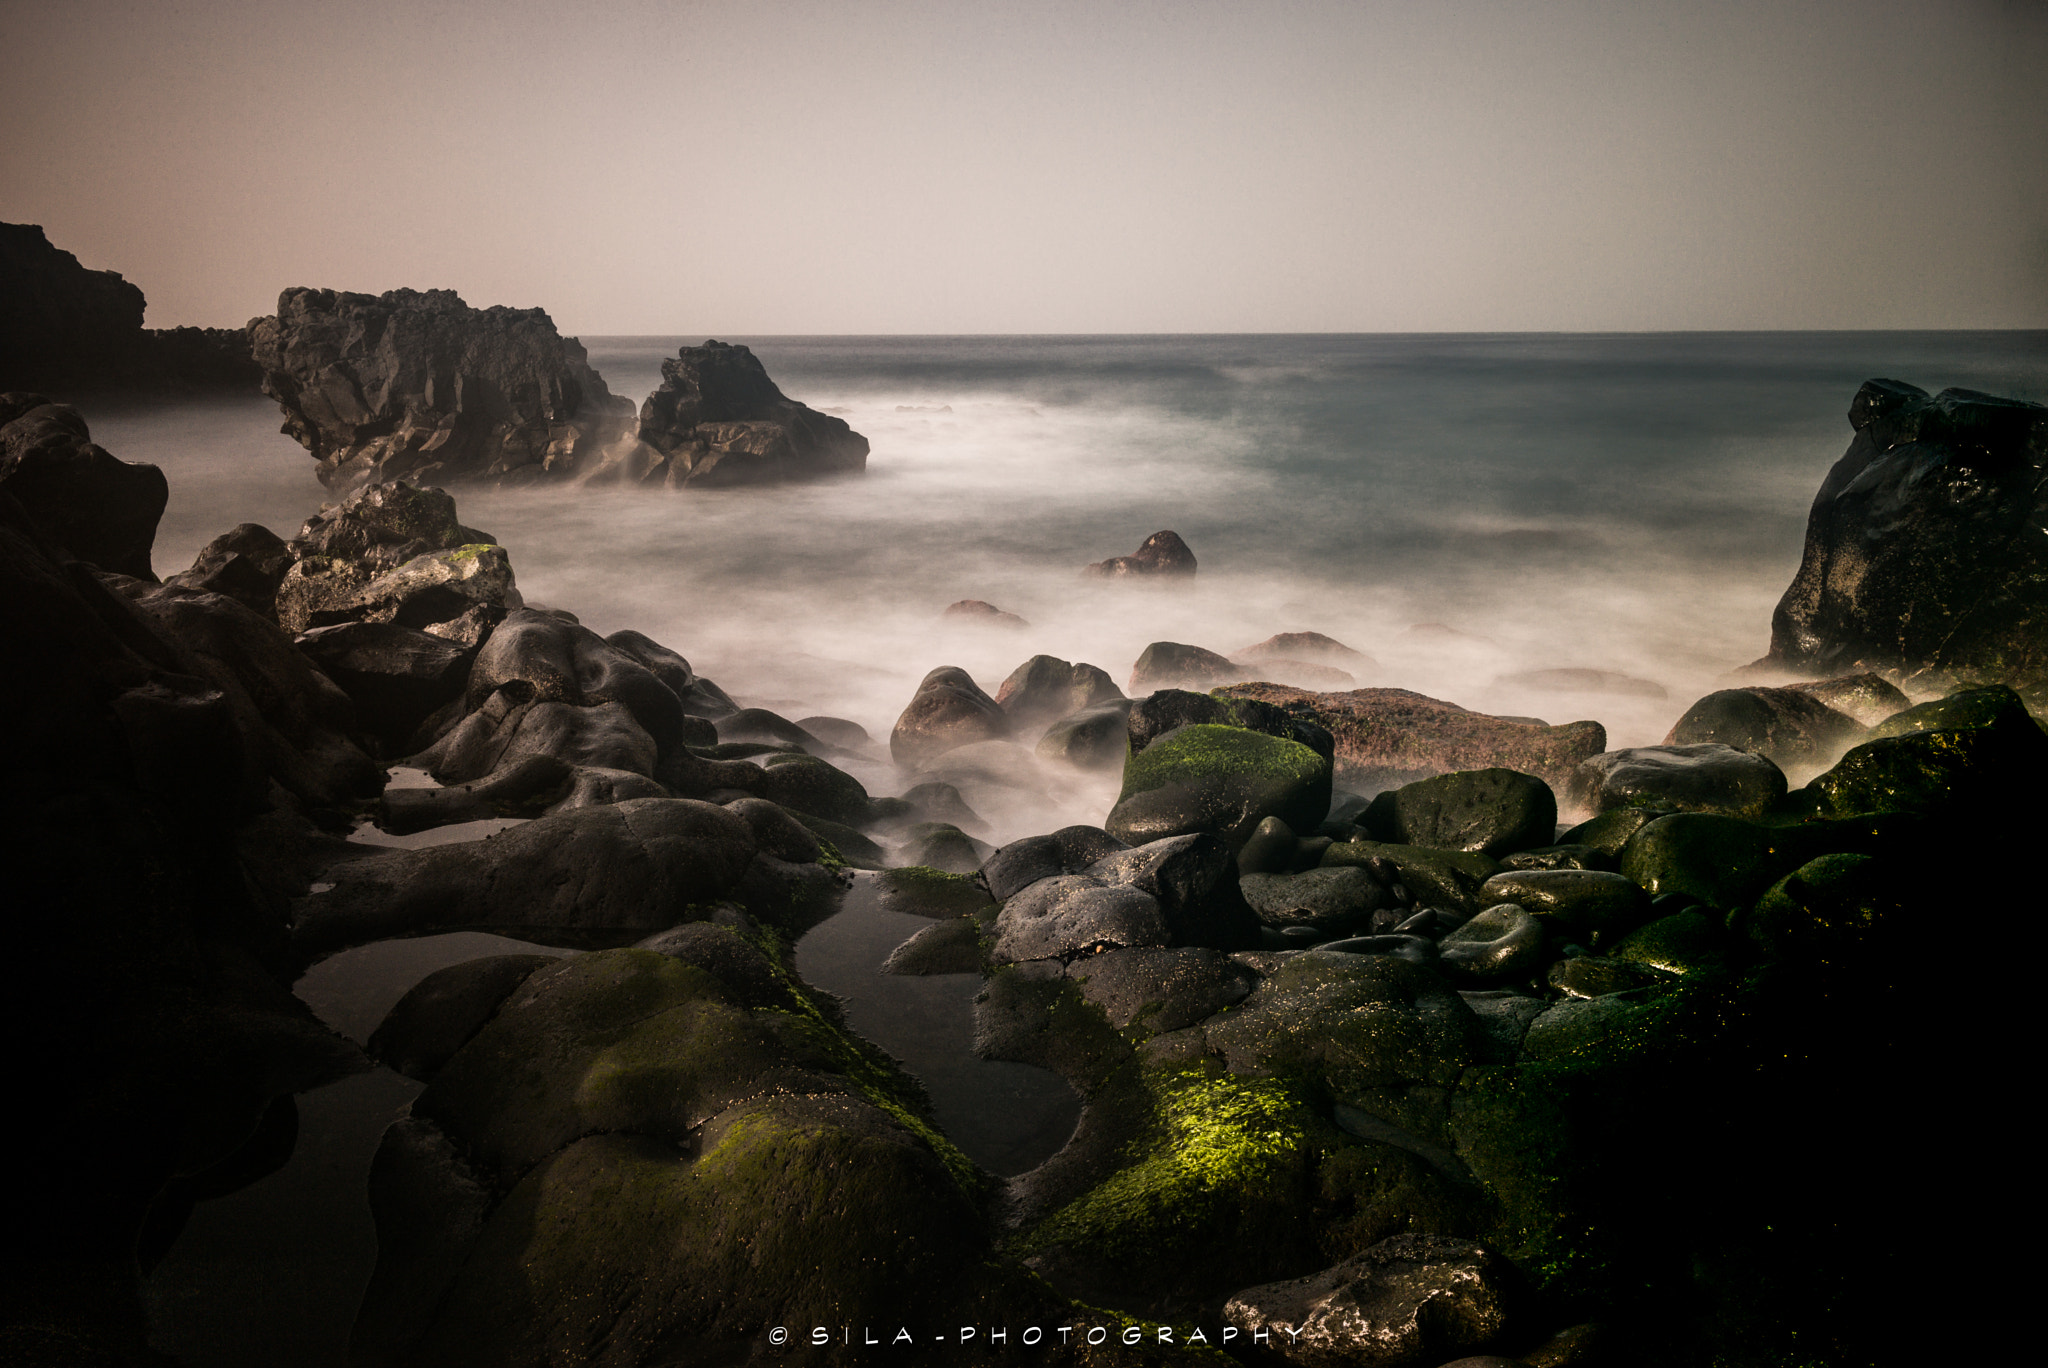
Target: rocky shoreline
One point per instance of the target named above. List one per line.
(1405, 1035)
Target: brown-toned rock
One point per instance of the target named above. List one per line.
(1171, 665)
(1313, 647)
(949, 710)
(1163, 553)
(1045, 688)
(983, 612)
(1388, 737)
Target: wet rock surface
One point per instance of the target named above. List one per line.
(1922, 547)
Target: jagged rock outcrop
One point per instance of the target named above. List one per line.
(418, 385)
(1924, 547)
(719, 420)
(69, 328)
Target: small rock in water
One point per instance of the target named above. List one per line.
(1163, 554)
(981, 612)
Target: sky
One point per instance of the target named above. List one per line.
(1034, 166)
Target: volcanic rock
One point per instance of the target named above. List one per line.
(719, 420)
(948, 710)
(1169, 665)
(1388, 737)
(246, 564)
(1163, 554)
(418, 385)
(71, 329)
(1044, 689)
(1923, 547)
(100, 509)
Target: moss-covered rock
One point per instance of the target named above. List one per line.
(1970, 770)
(1994, 706)
(1225, 780)
(1682, 943)
(926, 892)
(1826, 911)
(1723, 862)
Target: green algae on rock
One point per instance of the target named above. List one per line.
(1221, 779)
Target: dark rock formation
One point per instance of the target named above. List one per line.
(1924, 546)
(418, 385)
(100, 509)
(1163, 554)
(1790, 726)
(719, 420)
(71, 329)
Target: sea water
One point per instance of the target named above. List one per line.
(1463, 510)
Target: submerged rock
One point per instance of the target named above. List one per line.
(418, 385)
(1163, 554)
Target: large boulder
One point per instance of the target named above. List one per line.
(1923, 547)
(717, 419)
(1045, 688)
(949, 710)
(1389, 737)
(100, 509)
(1224, 780)
(417, 384)
(1792, 727)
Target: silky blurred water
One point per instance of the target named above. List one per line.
(1627, 503)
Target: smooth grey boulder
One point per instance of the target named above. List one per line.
(1338, 899)
(1868, 698)
(941, 845)
(1195, 881)
(1092, 739)
(1073, 914)
(1162, 989)
(1790, 727)
(701, 698)
(1705, 778)
(1022, 863)
(1173, 665)
(1163, 554)
(1501, 943)
(1592, 906)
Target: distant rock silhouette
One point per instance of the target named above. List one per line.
(69, 329)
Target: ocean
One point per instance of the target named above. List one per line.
(1461, 509)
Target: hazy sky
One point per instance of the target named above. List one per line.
(1009, 166)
